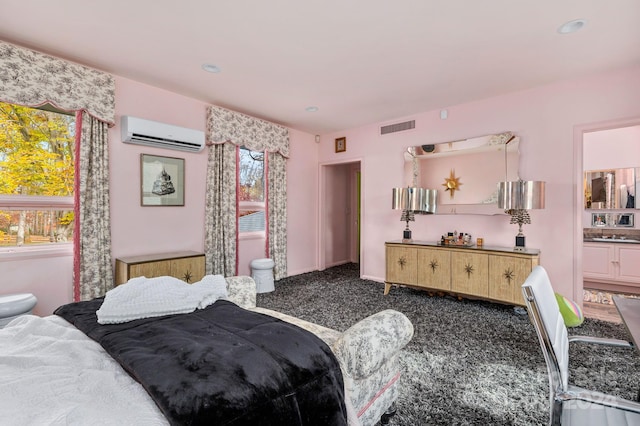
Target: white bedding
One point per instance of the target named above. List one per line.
(143, 297)
(53, 374)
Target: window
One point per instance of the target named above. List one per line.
(36, 176)
(251, 191)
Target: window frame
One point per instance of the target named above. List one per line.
(36, 202)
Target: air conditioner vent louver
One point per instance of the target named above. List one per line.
(160, 135)
(398, 127)
(164, 141)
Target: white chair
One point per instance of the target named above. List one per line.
(570, 405)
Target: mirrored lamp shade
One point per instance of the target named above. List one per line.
(419, 200)
(521, 195)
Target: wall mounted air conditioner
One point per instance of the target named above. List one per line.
(151, 133)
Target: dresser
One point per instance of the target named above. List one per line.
(492, 273)
(188, 266)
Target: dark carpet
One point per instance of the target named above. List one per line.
(470, 362)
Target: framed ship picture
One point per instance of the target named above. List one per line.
(162, 181)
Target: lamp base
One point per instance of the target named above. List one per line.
(406, 236)
(520, 243)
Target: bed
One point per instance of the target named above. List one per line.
(220, 364)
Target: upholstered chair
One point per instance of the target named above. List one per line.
(368, 353)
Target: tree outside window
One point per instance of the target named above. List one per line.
(251, 191)
(36, 175)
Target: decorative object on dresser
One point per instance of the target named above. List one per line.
(411, 201)
(189, 266)
(517, 197)
(493, 273)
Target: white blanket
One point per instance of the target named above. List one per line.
(153, 297)
(53, 374)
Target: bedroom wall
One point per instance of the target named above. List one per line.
(140, 230)
(545, 118)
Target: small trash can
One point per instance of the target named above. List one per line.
(262, 274)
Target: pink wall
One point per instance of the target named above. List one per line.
(138, 230)
(141, 230)
(302, 204)
(612, 148)
(545, 118)
(48, 278)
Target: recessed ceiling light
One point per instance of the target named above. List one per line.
(572, 26)
(311, 108)
(211, 68)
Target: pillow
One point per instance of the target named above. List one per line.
(570, 311)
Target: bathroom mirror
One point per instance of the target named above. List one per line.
(611, 189)
(465, 172)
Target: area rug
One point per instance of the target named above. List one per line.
(470, 362)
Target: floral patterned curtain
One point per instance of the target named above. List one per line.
(220, 211)
(235, 129)
(224, 125)
(33, 79)
(277, 209)
(93, 275)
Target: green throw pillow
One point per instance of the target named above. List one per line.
(570, 311)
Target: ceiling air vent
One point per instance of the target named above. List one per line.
(398, 127)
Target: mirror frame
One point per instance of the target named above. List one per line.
(416, 156)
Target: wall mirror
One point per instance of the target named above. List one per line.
(611, 189)
(465, 172)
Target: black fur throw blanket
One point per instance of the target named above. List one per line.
(223, 365)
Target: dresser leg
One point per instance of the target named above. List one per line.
(387, 287)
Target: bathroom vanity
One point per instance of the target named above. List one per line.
(492, 273)
(612, 264)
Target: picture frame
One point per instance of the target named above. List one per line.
(341, 144)
(161, 181)
(599, 219)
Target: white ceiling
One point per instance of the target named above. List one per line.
(358, 61)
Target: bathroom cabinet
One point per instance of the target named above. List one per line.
(492, 273)
(616, 264)
(188, 266)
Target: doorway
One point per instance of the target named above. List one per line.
(601, 147)
(340, 214)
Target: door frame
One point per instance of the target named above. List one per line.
(322, 194)
(578, 160)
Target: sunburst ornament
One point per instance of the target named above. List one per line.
(187, 276)
(433, 265)
(508, 275)
(402, 262)
(452, 183)
(468, 268)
